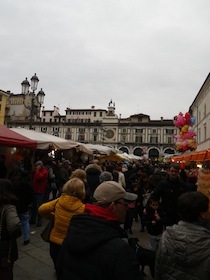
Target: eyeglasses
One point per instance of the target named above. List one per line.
(123, 203)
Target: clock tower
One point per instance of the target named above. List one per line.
(110, 122)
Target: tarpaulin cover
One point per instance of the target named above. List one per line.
(103, 150)
(11, 138)
(202, 155)
(46, 141)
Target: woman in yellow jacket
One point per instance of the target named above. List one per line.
(63, 208)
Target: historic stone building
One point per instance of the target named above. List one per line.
(19, 108)
(3, 101)
(136, 134)
(200, 109)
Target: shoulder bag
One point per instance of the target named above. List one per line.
(45, 234)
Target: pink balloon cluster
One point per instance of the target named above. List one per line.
(185, 140)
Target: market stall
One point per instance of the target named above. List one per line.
(99, 149)
(112, 157)
(53, 146)
(132, 157)
(120, 157)
(10, 138)
(201, 156)
(46, 141)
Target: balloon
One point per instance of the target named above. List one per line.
(188, 135)
(187, 118)
(192, 121)
(180, 120)
(185, 139)
(184, 128)
(184, 144)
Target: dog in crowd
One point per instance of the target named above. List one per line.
(144, 256)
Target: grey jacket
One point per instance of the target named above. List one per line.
(184, 253)
(11, 229)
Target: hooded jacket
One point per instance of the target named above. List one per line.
(94, 249)
(63, 208)
(184, 253)
(40, 180)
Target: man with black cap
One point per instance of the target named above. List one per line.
(94, 248)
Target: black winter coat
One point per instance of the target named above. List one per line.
(24, 192)
(149, 216)
(94, 249)
(169, 191)
(93, 172)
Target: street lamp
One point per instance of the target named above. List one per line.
(102, 132)
(40, 96)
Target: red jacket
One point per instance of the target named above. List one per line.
(40, 180)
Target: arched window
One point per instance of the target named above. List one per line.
(124, 149)
(138, 152)
(153, 153)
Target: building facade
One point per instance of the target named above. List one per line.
(18, 107)
(137, 134)
(200, 109)
(3, 101)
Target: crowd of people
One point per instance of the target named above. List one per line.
(94, 207)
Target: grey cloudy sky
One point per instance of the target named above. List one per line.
(148, 56)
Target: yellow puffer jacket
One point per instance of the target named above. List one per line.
(63, 208)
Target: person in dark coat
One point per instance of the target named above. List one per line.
(10, 229)
(153, 217)
(63, 174)
(3, 168)
(93, 172)
(169, 190)
(136, 175)
(93, 248)
(24, 192)
(144, 192)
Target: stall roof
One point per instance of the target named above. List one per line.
(103, 150)
(83, 148)
(46, 141)
(132, 156)
(202, 155)
(120, 157)
(11, 138)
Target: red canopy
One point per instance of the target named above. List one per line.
(13, 139)
(194, 156)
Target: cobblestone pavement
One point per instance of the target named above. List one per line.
(35, 263)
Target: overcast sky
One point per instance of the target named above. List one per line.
(148, 56)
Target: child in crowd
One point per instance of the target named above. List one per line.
(153, 217)
(130, 215)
